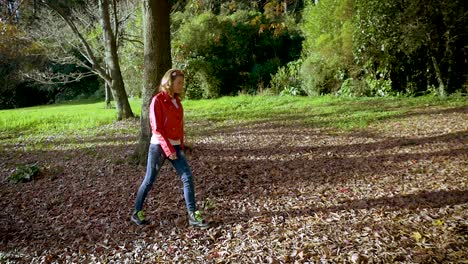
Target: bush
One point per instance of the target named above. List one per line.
(261, 73)
(24, 173)
(353, 88)
(327, 49)
(379, 87)
(225, 54)
(287, 81)
(367, 87)
(319, 77)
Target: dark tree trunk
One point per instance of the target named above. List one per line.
(157, 60)
(108, 95)
(441, 89)
(112, 61)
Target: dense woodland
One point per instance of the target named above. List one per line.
(52, 51)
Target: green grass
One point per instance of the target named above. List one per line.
(70, 118)
(85, 118)
(326, 111)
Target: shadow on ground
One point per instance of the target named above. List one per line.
(85, 196)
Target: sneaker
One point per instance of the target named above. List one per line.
(138, 217)
(196, 220)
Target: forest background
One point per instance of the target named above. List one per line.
(339, 47)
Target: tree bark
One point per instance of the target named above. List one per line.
(112, 61)
(440, 80)
(157, 60)
(108, 95)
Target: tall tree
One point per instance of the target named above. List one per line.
(112, 60)
(157, 60)
(69, 12)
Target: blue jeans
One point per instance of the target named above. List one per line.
(156, 158)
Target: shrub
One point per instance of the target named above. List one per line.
(261, 73)
(24, 173)
(224, 54)
(379, 87)
(327, 51)
(287, 81)
(353, 88)
(367, 87)
(318, 77)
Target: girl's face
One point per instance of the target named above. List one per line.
(178, 85)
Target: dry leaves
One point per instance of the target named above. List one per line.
(274, 193)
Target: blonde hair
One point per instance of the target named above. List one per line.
(167, 81)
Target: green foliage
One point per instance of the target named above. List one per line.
(327, 48)
(410, 40)
(379, 87)
(350, 88)
(287, 81)
(224, 54)
(24, 173)
(86, 88)
(204, 82)
(367, 87)
(22, 56)
(292, 91)
(383, 47)
(351, 48)
(18, 54)
(261, 74)
(131, 55)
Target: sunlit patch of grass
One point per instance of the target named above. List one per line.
(65, 118)
(324, 111)
(62, 125)
(72, 124)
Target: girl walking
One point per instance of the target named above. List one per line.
(167, 142)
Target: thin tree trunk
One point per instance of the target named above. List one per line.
(112, 61)
(440, 80)
(157, 60)
(441, 89)
(108, 95)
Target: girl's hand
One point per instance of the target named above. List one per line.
(173, 156)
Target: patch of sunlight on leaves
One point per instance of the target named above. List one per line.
(438, 222)
(416, 236)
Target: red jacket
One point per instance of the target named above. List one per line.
(167, 121)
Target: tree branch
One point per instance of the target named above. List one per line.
(116, 22)
(13, 12)
(132, 39)
(90, 55)
(49, 77)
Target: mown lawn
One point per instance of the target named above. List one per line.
(280, 179)
(86, 118)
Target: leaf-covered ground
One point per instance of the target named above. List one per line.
(274, 192)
